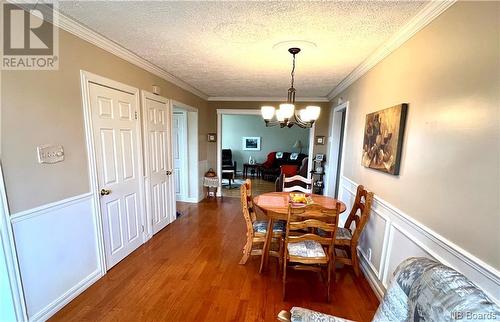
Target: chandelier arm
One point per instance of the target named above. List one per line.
(300, 122)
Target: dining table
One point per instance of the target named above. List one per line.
(275, 206)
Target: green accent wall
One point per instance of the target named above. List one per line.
(235, 127)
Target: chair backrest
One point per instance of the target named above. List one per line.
(360, 212)
(304, 221)
(251, 207)
(227, 156)
(245, 209)
(289, 180)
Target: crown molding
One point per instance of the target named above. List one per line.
(265, 99)
(72, 26)
(425, 16)
(430, 11)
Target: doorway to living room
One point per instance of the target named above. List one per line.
(246, 148)
(185, 152)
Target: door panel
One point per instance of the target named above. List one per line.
(161, 203)
(115, 131)
(179, 145)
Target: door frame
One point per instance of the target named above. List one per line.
(251, 111)
(332, 168)
(145, 95)
(9, 250)
(194, 183)
(86, 79)
(183, 149)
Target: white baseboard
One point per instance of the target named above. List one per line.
(391, 236)
(58, 249)
(67, 297)
(378, 289)
(189, 200)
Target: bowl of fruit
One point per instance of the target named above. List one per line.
(300, 199)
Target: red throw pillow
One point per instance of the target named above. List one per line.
(289, 170)
(270, 160)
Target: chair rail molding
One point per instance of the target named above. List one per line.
(394, 235)
(428, 13)
(70, 227)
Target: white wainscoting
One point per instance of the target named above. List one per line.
(59, 253)
(202, 169)
(391, 236)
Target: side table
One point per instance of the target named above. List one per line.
(211, 183)
(254, 169)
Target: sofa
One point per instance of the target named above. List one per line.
(271, 168)
(420, 290)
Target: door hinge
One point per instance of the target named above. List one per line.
(135, 113)
(142, 228)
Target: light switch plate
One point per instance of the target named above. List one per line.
(50, 153)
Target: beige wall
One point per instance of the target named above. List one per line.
(449, 74)
(211, 124)
(44, 107)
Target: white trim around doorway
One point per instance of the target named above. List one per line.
(194, 193)
(86, 79)
(332, 145)
(251, 111)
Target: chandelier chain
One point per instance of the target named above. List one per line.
(293, 71)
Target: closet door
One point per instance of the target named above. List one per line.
(116, 134)
(158, 154)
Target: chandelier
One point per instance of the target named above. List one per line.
(286, 115)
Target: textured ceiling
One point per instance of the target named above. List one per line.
(226, 48)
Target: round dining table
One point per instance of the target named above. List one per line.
(275, 206)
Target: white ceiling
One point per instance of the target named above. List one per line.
(225, 49)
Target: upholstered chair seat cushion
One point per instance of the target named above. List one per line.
(307, 249)
(260, 226)
(343, 233)
(299, 314)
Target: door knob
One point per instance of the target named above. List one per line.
(105, 192)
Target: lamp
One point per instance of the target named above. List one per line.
(286, 115)
(298, 145)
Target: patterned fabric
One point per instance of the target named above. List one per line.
(425, 290)
(307, 248)
(341, 233)
(304, 315)
(261, 226)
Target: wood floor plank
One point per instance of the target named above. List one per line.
(189, 272)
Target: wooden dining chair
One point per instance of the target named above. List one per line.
(347, 237)
(257, 229)
(304, 248)
(289, 187)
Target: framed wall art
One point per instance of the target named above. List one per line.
(383, 139)
(251, 143)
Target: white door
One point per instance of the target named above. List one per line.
(161, 197)
(179, 146)
(116, 130)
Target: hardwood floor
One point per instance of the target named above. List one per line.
(189, 272)
(259, 186)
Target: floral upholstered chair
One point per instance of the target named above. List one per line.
(421, 290)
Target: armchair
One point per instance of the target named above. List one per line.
(227, 160)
